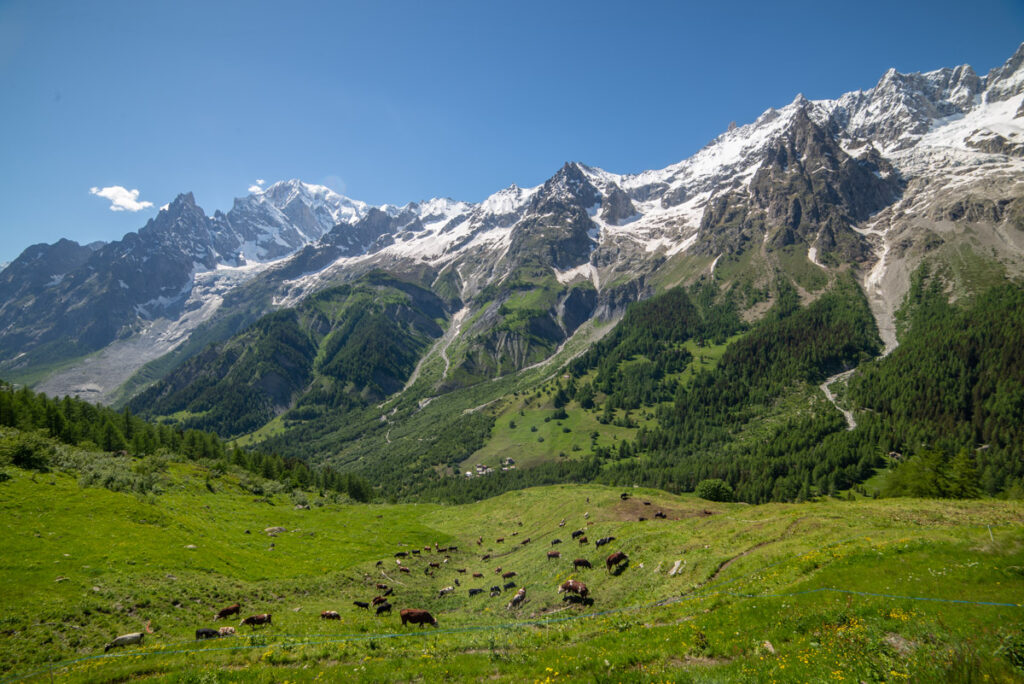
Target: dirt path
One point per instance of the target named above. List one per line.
(851, 423)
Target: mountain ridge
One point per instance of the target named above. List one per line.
(906, 147)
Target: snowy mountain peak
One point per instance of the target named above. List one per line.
(1006, 81)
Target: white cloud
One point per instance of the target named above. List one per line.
(121, 199)
(257, 187)
(260, 181)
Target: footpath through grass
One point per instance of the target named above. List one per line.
(827, 591)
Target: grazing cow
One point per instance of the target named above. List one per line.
(445, 591)
(577, 534)
(506, 575)
(381, 586)
(660, 514)
(479, 541)
(624, 496)
(330, 615)
(361, 604)
(581, 563)
(496, 592)
(435, 565)
(384, 608)
(497, 570)
(586, 515)
(230, 610)
(508, 585)
(226, 630)
(615, 559)
(642, 519)
(453, 548)
(474, 592)
(562, 524)
(254, 620)
(486, 556)
(525, 541)
(404, 569)
(380, 563)
(647, 503)
(427, 549)
(414, 616)
(389, 592)
(206, 633)
(401, 554)
(583, 540)
(603, 540)
(478, 574)
(415, 552)
(499, 540)
(517, 599)
(554, 554)
(574, 587)
(125, 640)
(461, 571)
(556, 541)
(377, 600)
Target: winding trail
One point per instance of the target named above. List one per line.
(851, 423)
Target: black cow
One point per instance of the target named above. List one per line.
(474, 592)
(361, 604)
(603, 540)
(207, 633)
(384, 608)
(577, 533)
(508, 585)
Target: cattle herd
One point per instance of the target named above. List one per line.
(574, 590)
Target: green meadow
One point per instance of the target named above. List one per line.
(832, 590)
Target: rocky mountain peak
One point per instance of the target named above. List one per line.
(1004, 82)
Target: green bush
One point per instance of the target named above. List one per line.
(714, 490)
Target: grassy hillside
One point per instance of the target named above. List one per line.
(829, 590)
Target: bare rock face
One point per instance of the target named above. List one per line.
(617, 206)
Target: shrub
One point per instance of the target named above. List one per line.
(714, 490)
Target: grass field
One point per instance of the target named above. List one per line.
(825, 591)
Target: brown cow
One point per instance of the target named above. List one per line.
(574, 587)
(615, 559)
(500, 540)
(414, 616)
(330, 615)
(478, 574)
(554, 554)
(253, 620)
(230, 610)
(381, 586)
(506, 575)
(581, 563)
(404, 569)
(525, 541)
(377, 600)
(583, 540)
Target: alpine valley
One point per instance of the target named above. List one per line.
(826, 291)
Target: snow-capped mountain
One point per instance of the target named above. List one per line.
(873, 181)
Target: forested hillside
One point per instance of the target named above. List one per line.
(339, 350)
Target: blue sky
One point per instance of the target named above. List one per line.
(402, 101)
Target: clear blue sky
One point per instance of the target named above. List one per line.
(401, 101)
